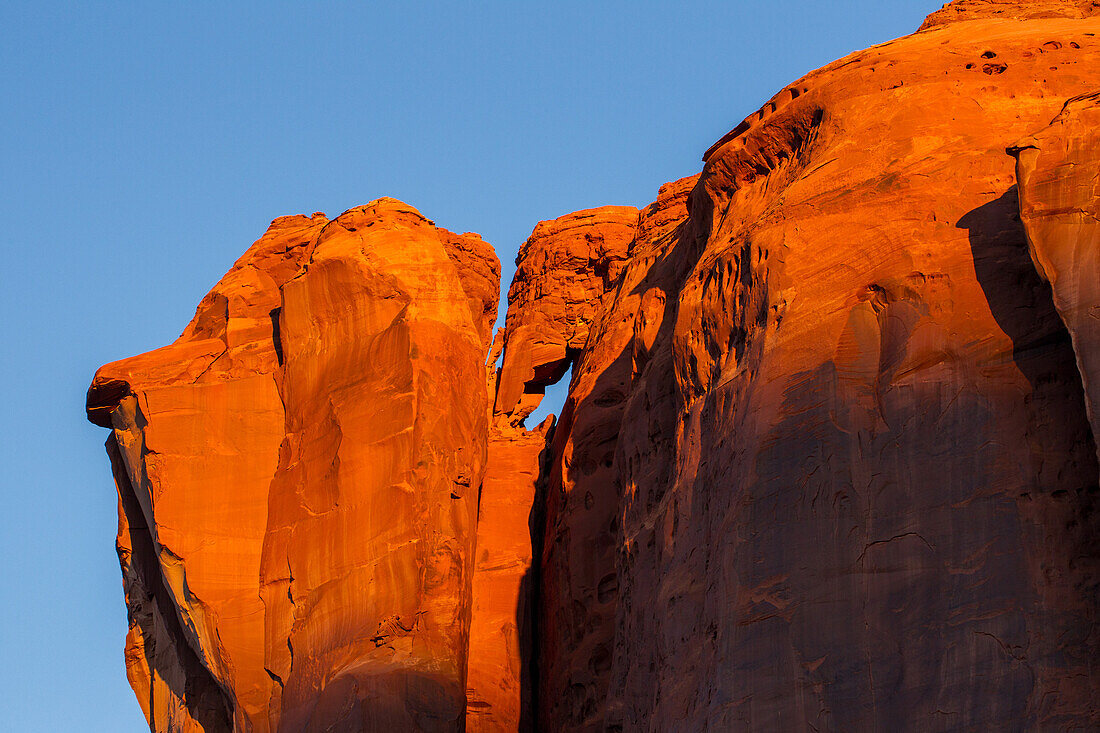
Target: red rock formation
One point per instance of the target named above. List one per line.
(1011, 10)
(197, 427)
(857, 479)
(579, 582)
(562, 271)
(299, 476)
(826, 461)
(499, 683)
(836, 422)
(1058, 170)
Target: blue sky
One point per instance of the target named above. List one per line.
(143, 148)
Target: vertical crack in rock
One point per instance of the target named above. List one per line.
(562, 271)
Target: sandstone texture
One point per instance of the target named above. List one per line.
(501, 650)
(580, 514)
(562, 271)
(1011, 10)
(299, 475)
(827, 460)
(857, 478)
(1059, 173)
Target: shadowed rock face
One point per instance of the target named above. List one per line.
(826, 461)
(1059, 173)
(861, 427)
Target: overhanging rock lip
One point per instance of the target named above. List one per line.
(104, 395)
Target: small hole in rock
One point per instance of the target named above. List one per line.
(553, 401)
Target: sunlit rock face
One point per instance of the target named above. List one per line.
(501, 667)
(826, 461)
(1011, 10)
(299, 480)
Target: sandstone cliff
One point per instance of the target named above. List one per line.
(871, 498)
(299, 478)
(1058, 170)
(827, 460)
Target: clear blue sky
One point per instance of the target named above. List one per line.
(143, 149)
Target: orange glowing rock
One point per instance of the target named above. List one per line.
(299, 476)
(562, 271)
(856, 480)
(826, 461)
(500, 679)
(826, 436)
(1011, 10)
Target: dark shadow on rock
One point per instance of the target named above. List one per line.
(1019, 300)
(593, 424)
(151, 607)
(1062, 506)
(1023, 306)
(384, 701)
(527, 617)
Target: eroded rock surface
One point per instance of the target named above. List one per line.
(826, 461)
(1011, 10)
(500, 684)
(562, 271)
(306, 461)
(580, 525)
(1059, 173)
(837, 422)
(870, 501)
